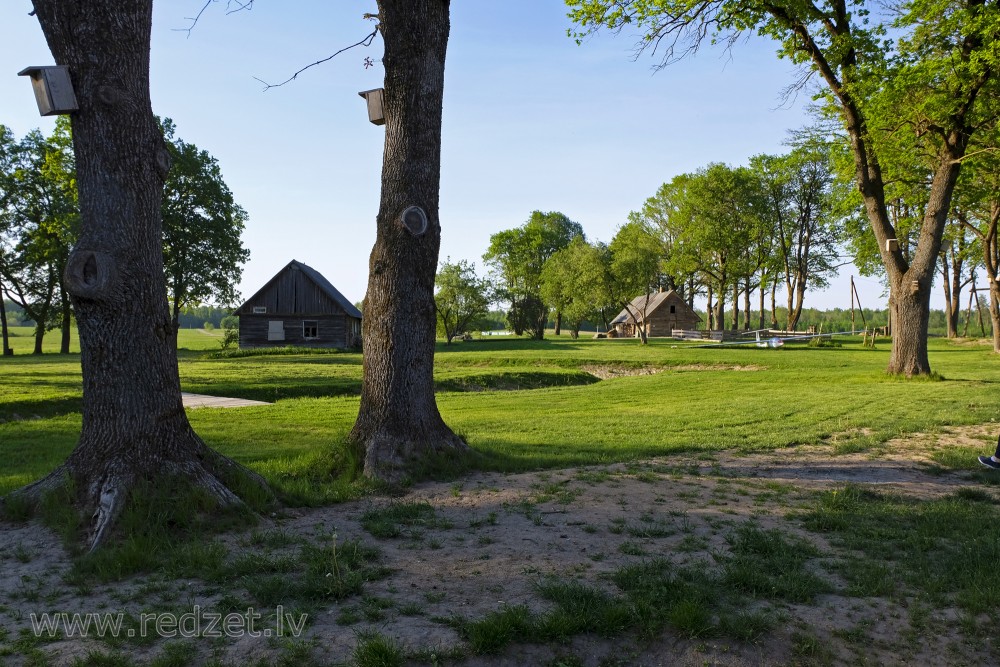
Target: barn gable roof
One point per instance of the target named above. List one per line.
(319, 280)
(656, 299)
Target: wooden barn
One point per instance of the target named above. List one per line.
(664, 312)
(299, 307)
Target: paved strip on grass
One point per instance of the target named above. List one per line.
(203, 401)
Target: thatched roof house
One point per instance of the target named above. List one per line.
(658, 312)
(300, 307)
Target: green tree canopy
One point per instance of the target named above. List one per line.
(574, 282)
(203, 253)
(799, 207)
(39, 222)
(911, 82)
(516, 257)
(461, 298)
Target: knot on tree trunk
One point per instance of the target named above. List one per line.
(163, 162)
(90, 274)
(109, 95)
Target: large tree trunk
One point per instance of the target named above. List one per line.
(951, 305)
(736, 306)
(66, 326)
(710, 311)
(543, 319)
(910, 279)
(774, 307)
(995, 314)
(909, 307)
(558, 323)
(746, 306)
(398, 420)
(790, 321)
(720, 311)
(134, 426)
(3, 328)
(795, 314)
(39, 336)
(760, 320)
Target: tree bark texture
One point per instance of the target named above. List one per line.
(760, 320)
(991, 262)
(398, 420)
(66, 324)
(4, 331)
(39, 337)
(746, 306)
(134, 426)
(720, 311)
(951, 306)
(736, 306)
(995, 314)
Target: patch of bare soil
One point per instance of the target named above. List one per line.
(504, 533)
(607, 371)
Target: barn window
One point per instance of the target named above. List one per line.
(259, 310)
(673, 309)
(310, 329)
(276, 330)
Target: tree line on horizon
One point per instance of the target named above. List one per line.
(735, 236)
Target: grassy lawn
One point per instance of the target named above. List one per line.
(698, 551)
(528, 405)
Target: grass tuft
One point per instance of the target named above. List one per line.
(376, 650)
(401, 520)
(924, 544)
(496, 630)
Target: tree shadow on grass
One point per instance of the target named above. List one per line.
(30, 409)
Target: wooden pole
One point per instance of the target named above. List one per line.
(979, 310)
(852, 306)
(968, 312)
(854, 288)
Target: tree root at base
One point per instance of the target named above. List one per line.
(101, 492)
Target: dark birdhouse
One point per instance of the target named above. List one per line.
(891, 245)
(374, 99)
(53, 89)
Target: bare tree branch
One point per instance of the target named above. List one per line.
(194, 19)
(364, 42)
(240, 5)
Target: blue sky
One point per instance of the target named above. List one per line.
(531, 121)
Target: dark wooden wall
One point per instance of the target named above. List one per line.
(334, 331)
(291, 292)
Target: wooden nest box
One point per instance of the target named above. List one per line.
(374, 99)
(53, 89)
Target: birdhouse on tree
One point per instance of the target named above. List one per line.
(374, 99)
(53, 89)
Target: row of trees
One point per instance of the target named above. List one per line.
(910, 88)
(726, 234)
(715, 232)
(40, 221)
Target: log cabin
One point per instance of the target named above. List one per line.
(658, 312)
(299, 307)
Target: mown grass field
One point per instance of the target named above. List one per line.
(700, 555)
(527, 405)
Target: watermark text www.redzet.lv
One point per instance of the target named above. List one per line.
(192, 624)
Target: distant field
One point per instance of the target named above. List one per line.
(529, 404)
(22, 340)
